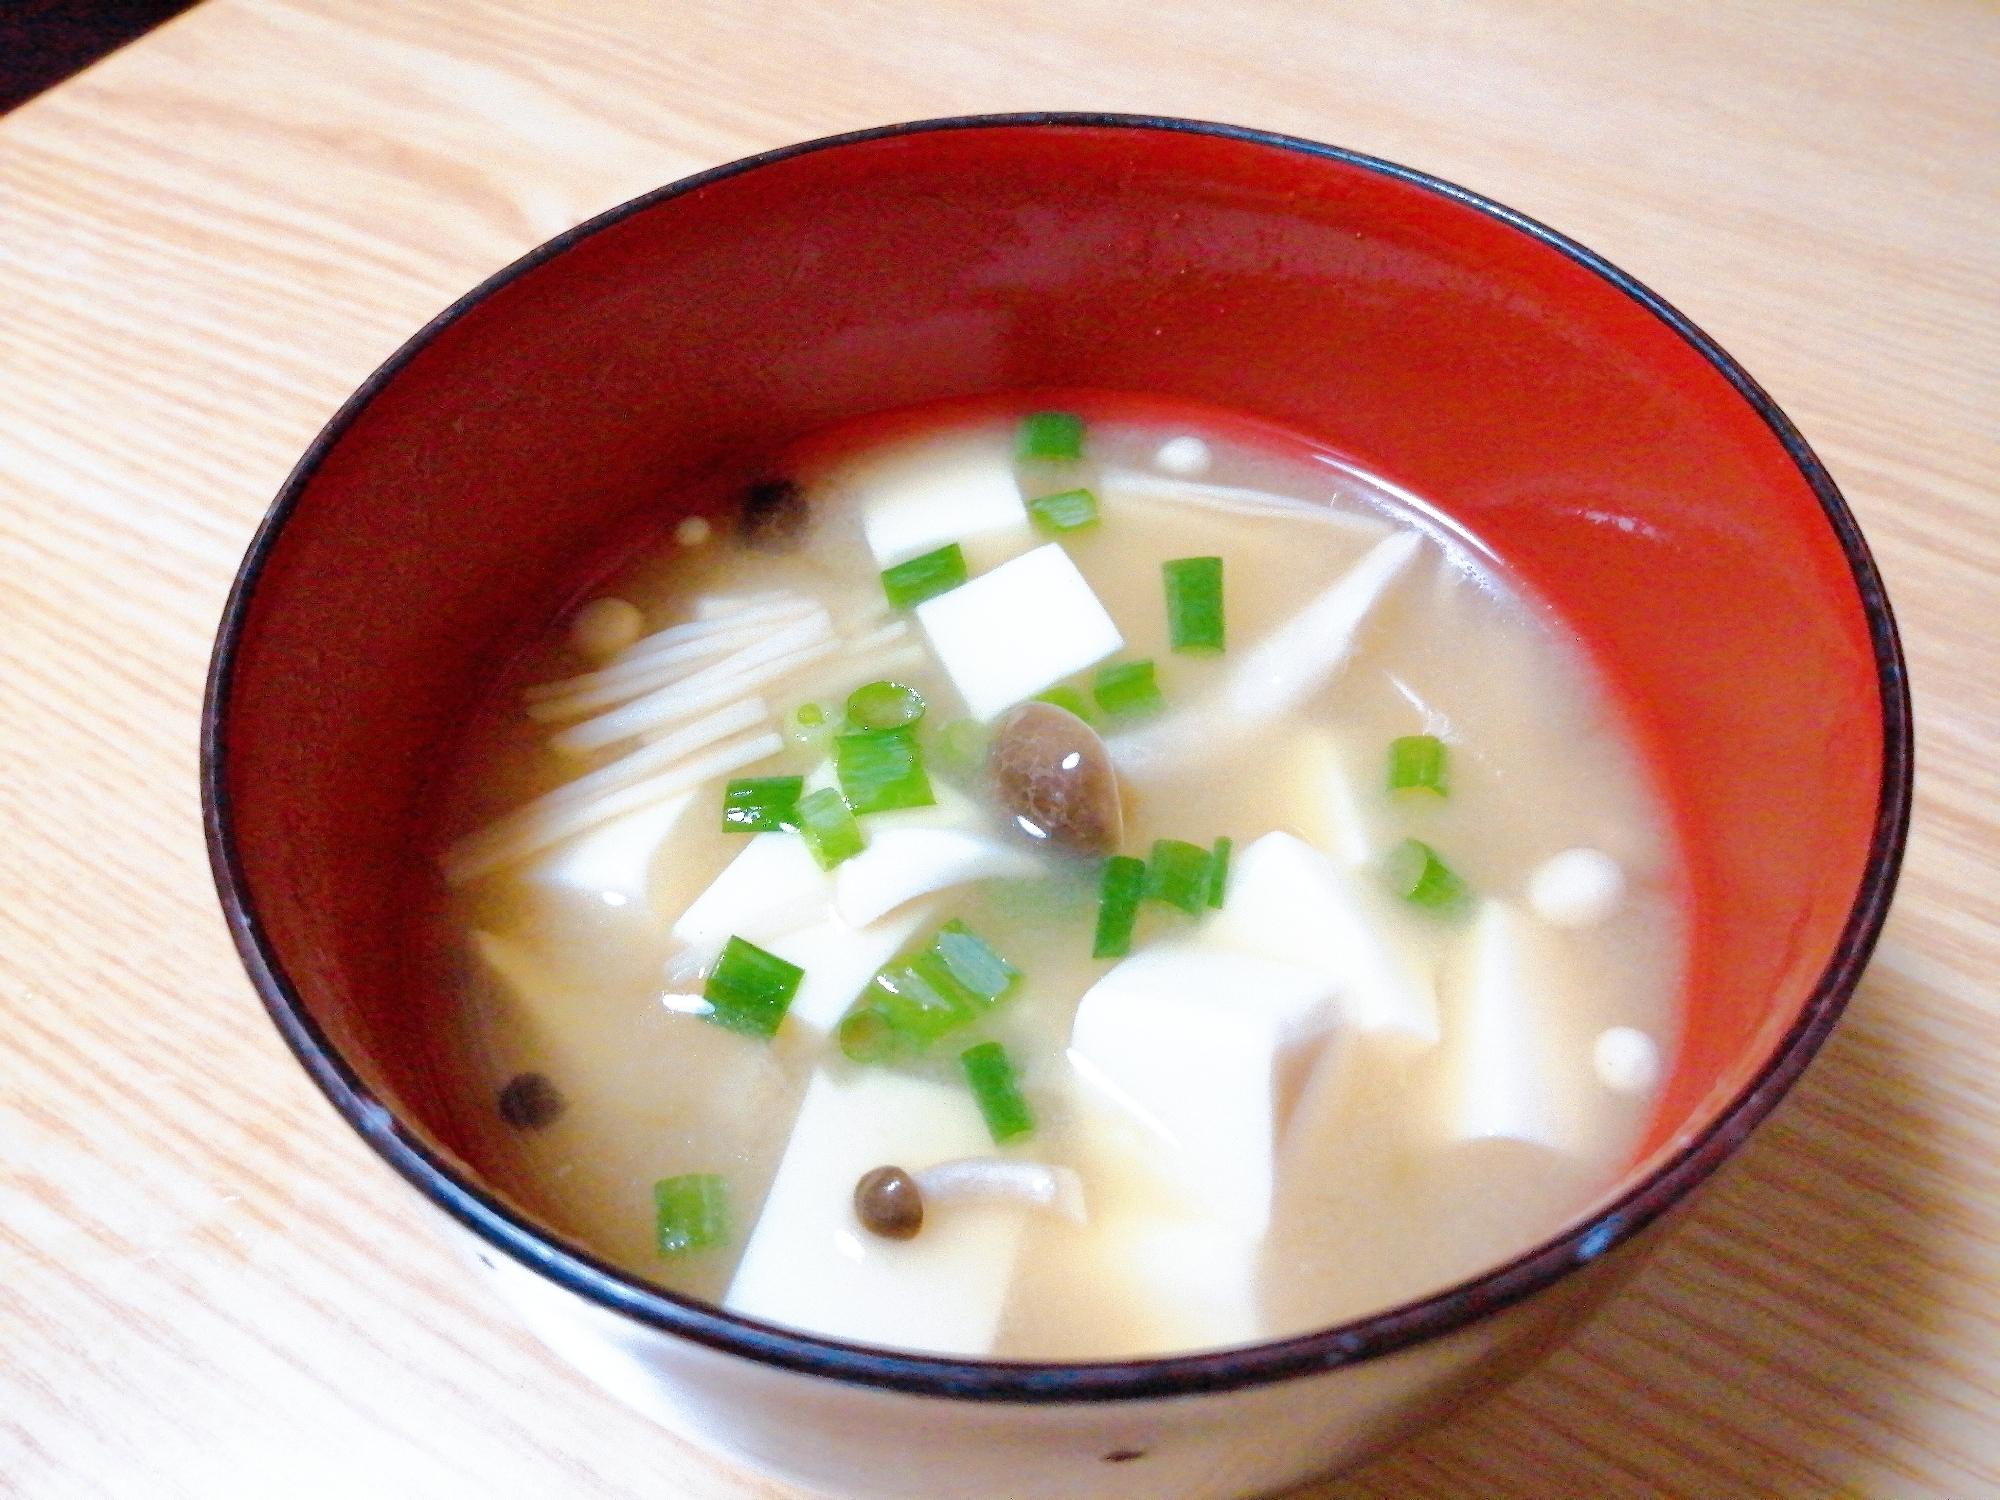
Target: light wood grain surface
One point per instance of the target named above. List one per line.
(208, 1289)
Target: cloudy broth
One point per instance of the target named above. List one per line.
(1423, 1029)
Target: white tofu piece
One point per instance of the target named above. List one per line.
(1290, 903)
(1322, 791)
(810, 1265)
(613, 862)
(919, 497)
(1508, 1072)
(901, 864)
(1198, 1046)
(1011, 633)
(773, 887)
(840, 960)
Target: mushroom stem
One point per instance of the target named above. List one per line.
(991, 1179)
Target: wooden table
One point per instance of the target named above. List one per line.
(208, 1288)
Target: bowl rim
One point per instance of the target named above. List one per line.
(1613, 1224)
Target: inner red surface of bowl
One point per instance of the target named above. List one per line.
(1583, 438)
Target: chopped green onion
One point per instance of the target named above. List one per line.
(962, 745)
(991, 1074)
(1178, 874)
(691, 1213)
(1059, 515)
(1050, 435)
(1218, 872)
(1194, 603)
(973, 963)
(828, 827)
(881, 769)
(909, 584)
(919, 1007)
(1128, 691)
(866, 1036)
(761, 804)
(1118, 905)
(884, 705)
(1417, 875)
(750, 989)
(1071, 699)
(810, 714)
(1417, 764)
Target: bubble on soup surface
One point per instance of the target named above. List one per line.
(1052, 777)
(530, 1101)
(1185, 456)
(1577, 888)
(1627, 1060)
(604, 627)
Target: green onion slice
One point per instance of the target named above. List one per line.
(810, 715)
(691, 1213)
(1194, 603)
(991, 1074)
(1218, 872)
(1061, 515)
(1128, 691)
(761, 804)
(909, 584)
(1417, 875)
(1071, 699)
(884, 705)
(920, 1001)
(881, 769)
(866, 1035)
(973, 962)
(1118, 905)
(1051, 436)
(962, 745)
(828, 827)
(1178, 874)
(1417, 763)
(750, 989)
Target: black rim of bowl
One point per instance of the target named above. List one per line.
(504, 1228)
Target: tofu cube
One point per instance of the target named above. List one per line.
(901, 864)
(1289, 903)
(919, 496)
(1018, 630)
(773, 887)
(810, 1265)
(1200, 1047)
(613, 862)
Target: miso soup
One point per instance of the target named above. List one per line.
(1067, 878)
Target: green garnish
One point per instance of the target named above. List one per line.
(962, 745)
(909, 584)
(691, 1213)
(1055, 436)
(1071, 699)
(1218, 871)
(810, 714)
(1417, 875)
(828, 827)
(1178, 874)
(1417, 764)
(1059, 515)
(973, 963)
(750, 989)
(991, 1075)
(884, 705)
(1194, 603)
(1118, 905)
(955, 980)
(761, 804)
(1127, 690)
(881, 769)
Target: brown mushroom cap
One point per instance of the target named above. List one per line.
(1053, 779)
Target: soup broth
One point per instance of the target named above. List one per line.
(1228, 901)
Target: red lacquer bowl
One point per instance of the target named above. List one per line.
(1617, 460)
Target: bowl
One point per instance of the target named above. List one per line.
(1624, 466)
